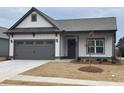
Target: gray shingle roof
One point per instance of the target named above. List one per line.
(89, 24)
(2, 34)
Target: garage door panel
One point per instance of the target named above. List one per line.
(36, 50)
(23, 52)
(46, 51)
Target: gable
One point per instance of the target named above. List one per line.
(41, 22)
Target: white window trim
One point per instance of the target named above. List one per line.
(95, 46)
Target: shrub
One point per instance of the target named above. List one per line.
(105, 60)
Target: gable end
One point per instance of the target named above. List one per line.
(47, 18)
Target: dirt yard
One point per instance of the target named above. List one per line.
(3, 59)
(71, 70)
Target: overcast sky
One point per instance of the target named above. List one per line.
(8, 16)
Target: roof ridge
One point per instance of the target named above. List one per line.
(84, 18)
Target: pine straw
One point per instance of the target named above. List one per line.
(91, 69)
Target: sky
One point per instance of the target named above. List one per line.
(9, 15)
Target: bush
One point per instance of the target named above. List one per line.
(105, 60)
(87, 60)
(98, 59)
(114, 60)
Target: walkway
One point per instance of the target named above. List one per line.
(65, 81)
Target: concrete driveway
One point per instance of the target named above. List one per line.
(13, 67)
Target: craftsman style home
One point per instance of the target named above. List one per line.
(38, 36)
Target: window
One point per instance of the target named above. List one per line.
(99, 46)
(91, 44)
(95, 46)
(34, 17)
(39, 42)
(49, 42)
(19, 43)
(29, 42)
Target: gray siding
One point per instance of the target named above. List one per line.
(34, 49)
(4, 47)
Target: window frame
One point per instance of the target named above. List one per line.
(33, 15)
(95, 46)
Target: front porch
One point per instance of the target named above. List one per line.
(73, 46)
(69, 46)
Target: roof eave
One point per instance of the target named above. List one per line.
(89, 30)
(16, 32)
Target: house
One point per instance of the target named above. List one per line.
(38, 36)
(4, 43)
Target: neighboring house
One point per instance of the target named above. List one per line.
(38, 36)
(4, 43)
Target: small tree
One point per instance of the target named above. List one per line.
(90, 36)
(120, 46)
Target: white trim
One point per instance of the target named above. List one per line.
(37, 37)
(95, 46)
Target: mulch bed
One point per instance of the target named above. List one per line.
(91, 69)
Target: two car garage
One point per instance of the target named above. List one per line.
(34, 49)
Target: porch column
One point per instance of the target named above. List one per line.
(57, 46)
(11, 47)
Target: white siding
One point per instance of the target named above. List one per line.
(108, 45)
(57, 44)
(82, 43)
(37, 37)
(27, 23)
(11, 46)
(62, 45)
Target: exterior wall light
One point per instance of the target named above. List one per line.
(33, 34)
(56, 34)
(11, 41)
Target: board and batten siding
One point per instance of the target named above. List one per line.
(27, 23)
(108, 44)
(37, 37)
(82, 39)
(60, 45)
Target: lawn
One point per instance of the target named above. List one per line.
(71, 70)
(27, 83)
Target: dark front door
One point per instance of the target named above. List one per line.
(71, 48)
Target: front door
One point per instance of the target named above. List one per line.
(71, 48)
